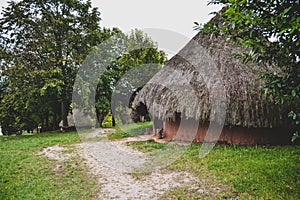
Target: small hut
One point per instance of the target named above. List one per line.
(205, 84)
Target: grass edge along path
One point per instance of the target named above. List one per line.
(129, 130)
(26, 175)
(251, 172)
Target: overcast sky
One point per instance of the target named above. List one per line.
(177, 16)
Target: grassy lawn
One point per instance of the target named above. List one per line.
(249, 172)
(26, 175)
(129, 130)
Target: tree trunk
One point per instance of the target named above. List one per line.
(98, 119)
(55, 122)
(64, 114)
(47, 122)
(113, 121)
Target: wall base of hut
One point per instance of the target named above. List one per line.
(190, 132)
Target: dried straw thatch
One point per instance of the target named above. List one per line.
(204, 79)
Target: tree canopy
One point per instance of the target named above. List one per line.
(42, 47)
(118, 68)
(270, 29)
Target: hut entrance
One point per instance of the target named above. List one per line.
(140, 114)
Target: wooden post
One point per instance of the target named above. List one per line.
(153, 127)
(153, 118)
(157, 131)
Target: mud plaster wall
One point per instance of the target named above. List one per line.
(193, 131)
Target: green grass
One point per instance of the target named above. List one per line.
(248, 172)
(146, 146)
(264, 172)
(129, 130)
(26, 175)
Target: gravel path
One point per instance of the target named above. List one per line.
(113, 164)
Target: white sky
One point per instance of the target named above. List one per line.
(177, 16)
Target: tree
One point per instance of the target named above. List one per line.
(271, 30)
(42, 44)
(118, 68)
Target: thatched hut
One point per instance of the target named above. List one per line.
(205, 87)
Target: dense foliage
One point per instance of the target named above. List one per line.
(271, 30)
(117, 71)
(42, 46)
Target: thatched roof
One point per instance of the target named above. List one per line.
(205, 78)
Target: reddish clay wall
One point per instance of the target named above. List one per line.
(235, 135)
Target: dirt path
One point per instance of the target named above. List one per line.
(112, 163)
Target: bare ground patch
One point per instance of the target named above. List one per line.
(109, 162)
(57, 152)
(118, 184)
